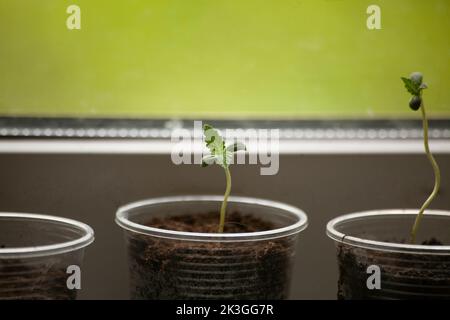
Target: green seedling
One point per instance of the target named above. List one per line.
(221, 154)
(414, 84)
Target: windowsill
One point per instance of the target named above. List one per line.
(141, 136)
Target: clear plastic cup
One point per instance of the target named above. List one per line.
(167, 264)
(35, 252)
(380, 238)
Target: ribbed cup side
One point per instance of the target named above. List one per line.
(174, 269)
(41, 278)
(403, 275)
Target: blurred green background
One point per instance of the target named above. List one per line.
(222, 58)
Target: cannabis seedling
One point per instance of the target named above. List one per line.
(415, 86)
(222, 155)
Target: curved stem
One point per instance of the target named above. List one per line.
(437, 177)
(223, 208)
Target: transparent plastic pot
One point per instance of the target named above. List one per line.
(35, 252)
(167, 264)
(380, 239)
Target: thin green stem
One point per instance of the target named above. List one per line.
(223, 208)
(437, 177)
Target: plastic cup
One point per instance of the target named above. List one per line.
(35, 252)
(380, 238)
(167, 264)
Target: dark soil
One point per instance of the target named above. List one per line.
(174, 269)
(209, 223)
(432, 242)
(403, 275)
(33, 279)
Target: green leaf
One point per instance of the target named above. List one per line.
(411, 86)
(216, 145)
(213, 140)
(220, 154)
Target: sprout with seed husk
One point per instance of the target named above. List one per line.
(414, 84)
(222, 155)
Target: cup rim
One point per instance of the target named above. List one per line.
(383, 245)
(46, 250)
(123, 214)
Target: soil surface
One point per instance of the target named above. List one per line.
(403, 275)
(209, 223)
(432, 242)
(177, 269)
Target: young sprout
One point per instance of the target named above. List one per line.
(222, 155)
(415, 86)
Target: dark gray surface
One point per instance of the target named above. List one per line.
(89, 188)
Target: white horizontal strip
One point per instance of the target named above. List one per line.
(80, 133)
(132, 146)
